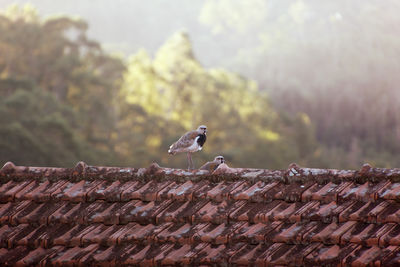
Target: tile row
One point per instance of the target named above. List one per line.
(239, 254)
(381, 235)
(202, 211)
(116, 191)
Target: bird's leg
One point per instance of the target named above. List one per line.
(189, 157)
(191, 161)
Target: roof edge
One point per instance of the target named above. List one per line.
(294, 174)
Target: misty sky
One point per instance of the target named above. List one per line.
(127, 25)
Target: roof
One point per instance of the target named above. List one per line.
(158, 216)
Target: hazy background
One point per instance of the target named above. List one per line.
(276, 81)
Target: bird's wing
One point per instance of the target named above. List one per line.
(209, 166)
(186, 140)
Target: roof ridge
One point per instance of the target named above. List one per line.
(294, 173)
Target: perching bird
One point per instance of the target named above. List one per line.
(190, 142)
(212, 165)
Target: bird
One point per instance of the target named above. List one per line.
(212, 165)
(190, 142)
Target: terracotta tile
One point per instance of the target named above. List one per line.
(149, 255)
(391, 236)
(25, 190)
(368, 212)
(264, 258)
(386, 253)
(7, 210)
(362, 192)
(251, 212)
(18, 233)
(288, 214)
(253, 233)
(352, 210)
(391, 192)
(59, 193)
(186, 190)
(290, 193)
(324, 193)
(278, 213)
(296, 256)
(180, 211)
(106, 190)
(77, 193)
(141, 233)
(247, 255)
(109, 256)
(390, 214)
(9, 189)
(142, 212)
(217, 254)
(72, 236)
(35, 213)
(5, 231)
(43, 191)
(181, 254)
(303, 211)
(254, 214)
(146, 192)
(69, 213)
(89, 258)
(129, 187)
(360, 233)
(374, 214)
(362, 256)
(221, 191)
(34, 257)
(255, 192)
(12, 256)
(294, 233)
(216, 212)
(328, 212)
(375, 235)
(392, 258)
(72, 256)
(216, 233)
(43, 235)
(328, 233)
(100, 235)
(329, 255)
(103, 212)
(276, 230)
(292, 255)
(182, 233)
(129, 255)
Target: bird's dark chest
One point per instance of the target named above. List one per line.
(201, 140)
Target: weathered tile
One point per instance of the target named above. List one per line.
(216, 233)
(9, 189)
(216, 212)
(142, 212)
(182, 233)
(179, 211)
(136, 233)
(146, 192)
(222, 190)
(186, 190)
(362, 256)
(253, 233)
(254, 192)
(324, 193)
(329, 255)
(294, 233)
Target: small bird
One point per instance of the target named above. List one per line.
(212, 165)
(190, 142)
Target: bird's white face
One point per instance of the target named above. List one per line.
(219, 159)
(202, 129)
